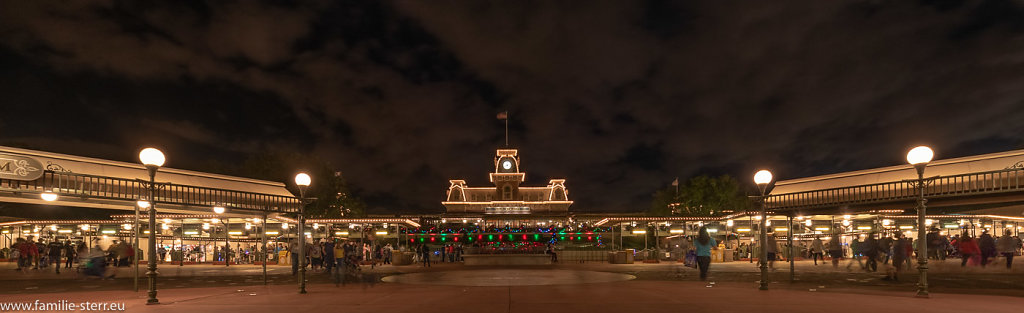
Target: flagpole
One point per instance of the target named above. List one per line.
(506, 129)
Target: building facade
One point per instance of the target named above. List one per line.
(507, 196)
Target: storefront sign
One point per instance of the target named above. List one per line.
(18, 167)
(507, 210)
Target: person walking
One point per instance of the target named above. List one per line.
(329, 257)
(968, 249)
(987, 245)
(835, 250)
(316, 256)
(424, 255)
(293, 248)
(773, 250)
(55, 249)
(30, 252)
(899, 254)
(704, 244)
(69, 253)
(870, 248)
(856, 251)
(816, 250)
(1007, 246)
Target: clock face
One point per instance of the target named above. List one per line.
(506, 165)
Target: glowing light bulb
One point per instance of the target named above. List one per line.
(762, 177)
(921, 154)
(152, 157)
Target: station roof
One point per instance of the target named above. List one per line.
(84, 165)
(946, 167)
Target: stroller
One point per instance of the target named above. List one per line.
(95, 264)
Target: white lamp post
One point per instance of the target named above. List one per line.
(141, 204)
(919, 158)
(227, 235)
(762, 178)
(153, 159)
(302, 180)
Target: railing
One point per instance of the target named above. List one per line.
(583, 255)
(1009, 180)
(112, 188)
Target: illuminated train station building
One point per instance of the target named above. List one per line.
(62, 197)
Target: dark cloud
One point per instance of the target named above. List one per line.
(618, 97)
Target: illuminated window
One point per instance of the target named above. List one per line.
(456, 194)
(559, 194)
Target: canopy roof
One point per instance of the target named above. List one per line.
(84, 165)
(947, 167)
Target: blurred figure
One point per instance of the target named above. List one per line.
(29, 249)
(871, 249)
(857, 250)
(835, 250)
(1007, 246)
(329, 257)
(816, 250)
(987, 245)
(17, 250)
(968, 248)
(899, 256)
(424, 255)
(69, 253)
(773, 249)
(94, 262)
(55, 248)
(293, 247)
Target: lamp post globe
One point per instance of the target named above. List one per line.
(218, 209)
(151, 157)
(762, 177)
(919, 155)
(302, 179)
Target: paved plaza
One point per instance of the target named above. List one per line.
(626, 296)
(594, 287)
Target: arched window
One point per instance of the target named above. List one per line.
(456, 194)
(506, 193)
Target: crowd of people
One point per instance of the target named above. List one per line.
(327, 255)
(90, 260)
(894, 251)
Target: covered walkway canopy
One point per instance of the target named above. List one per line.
(955, 185)
(88, 182)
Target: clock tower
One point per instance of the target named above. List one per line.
(506, 176)
(507, 197)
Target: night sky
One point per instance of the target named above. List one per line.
(618, 97)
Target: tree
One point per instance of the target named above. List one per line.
(701, 196)
(331, 193)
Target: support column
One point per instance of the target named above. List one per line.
(792, 257)
(263, 239)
